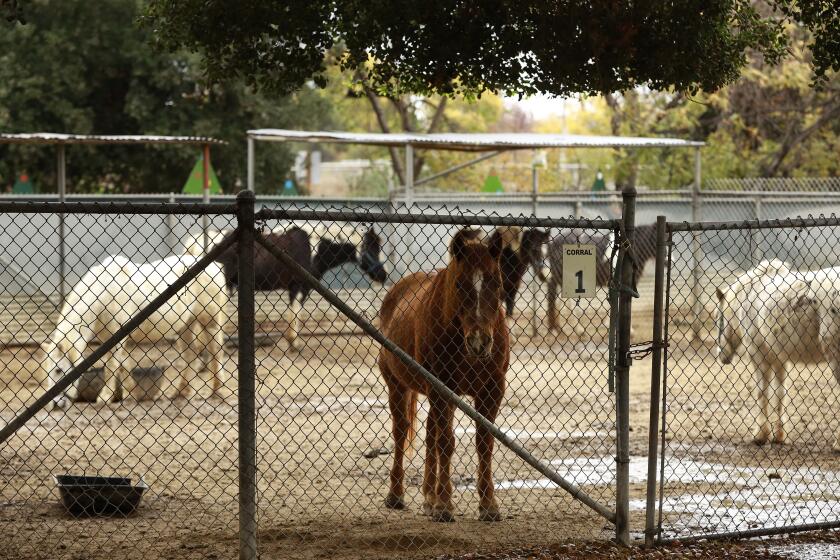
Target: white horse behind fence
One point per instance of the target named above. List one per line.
(780, 316)
(110, 293)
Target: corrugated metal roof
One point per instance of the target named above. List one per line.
(471, 142)
(53, 138)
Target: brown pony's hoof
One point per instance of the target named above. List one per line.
(442, 515)
(428, 508)
(489, 514)
(392, 501)
(761, 436)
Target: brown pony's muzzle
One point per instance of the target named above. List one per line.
(479, 344)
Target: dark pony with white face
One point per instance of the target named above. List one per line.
(270, 274)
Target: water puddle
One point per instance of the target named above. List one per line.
(755, 497)
(810, 551)
(523, 434)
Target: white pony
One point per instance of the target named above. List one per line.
(110, 293)
(779, 316)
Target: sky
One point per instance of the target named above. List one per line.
(542, 106)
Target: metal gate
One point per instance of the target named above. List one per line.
(557, 427)
(749, 388)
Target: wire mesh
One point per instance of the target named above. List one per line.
(325, 445)
(72, 473)
(751, 390)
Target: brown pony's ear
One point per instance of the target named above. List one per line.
(719, 294)
(459, 243)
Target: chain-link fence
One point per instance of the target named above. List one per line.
(750, 385)
(123, 384)
(153, 415)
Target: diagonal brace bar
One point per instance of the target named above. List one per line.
(436, 383)
(71, 377)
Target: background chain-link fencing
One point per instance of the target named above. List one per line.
(183, 449)
(728, 466)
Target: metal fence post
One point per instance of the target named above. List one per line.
(622, 369)
(246, 382)
(655, 374)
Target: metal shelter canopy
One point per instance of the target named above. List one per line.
(494, 143)
(52, 138)
(63, 140)
(472, 142)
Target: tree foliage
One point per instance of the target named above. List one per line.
(88, 68)
(516, 47)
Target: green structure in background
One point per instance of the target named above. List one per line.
(289, 188)
(599, 184)
(492, 185)
(23, 185)
(195, 183)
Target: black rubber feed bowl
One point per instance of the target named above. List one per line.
(86, 496)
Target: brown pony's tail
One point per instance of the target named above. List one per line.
(411, 414)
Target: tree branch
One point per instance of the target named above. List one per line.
(383, 125)
(771, 168)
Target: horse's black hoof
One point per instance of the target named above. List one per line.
(489, 514)
(394, 502)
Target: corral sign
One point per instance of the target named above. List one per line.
(578, 271)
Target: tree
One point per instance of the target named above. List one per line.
(511, 46)
(86, 67)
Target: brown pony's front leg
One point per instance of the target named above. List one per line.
(430, 465)
(444, 419)
(488, 509)
(398, 401)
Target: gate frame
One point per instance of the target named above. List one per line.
(659, 368)
(624, 272)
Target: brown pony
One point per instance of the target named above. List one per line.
(451, 321)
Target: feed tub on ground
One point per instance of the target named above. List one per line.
(85, 496)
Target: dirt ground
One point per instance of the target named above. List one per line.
(324, 450)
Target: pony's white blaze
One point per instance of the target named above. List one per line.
(478, 282)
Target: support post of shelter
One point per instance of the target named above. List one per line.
(205, 183)
(171, 239)
(409, 174)
(622, 368)
(756, 250)
(535, 189)
(696, 289)
(246, 381)
(655, 376)
(251, 164)
(61, 175)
